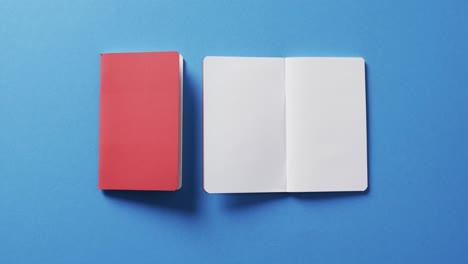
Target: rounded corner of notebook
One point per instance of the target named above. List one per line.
(205, 189)
(175, 52)
(206, 59)
(361, 60)
(100, 185)
(364, 187)
(103, 188)
(179, 186)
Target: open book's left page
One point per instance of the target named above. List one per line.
(244, 125)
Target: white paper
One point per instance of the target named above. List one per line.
(326, 124)
(181, 116)
(244, 125)
(284, 125)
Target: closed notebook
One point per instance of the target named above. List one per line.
(284, 124)
(140, 139)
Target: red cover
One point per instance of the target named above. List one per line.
(140, 121)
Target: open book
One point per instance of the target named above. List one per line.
(284, 124)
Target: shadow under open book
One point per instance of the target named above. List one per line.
(318, 196)
(185, 199)
(247, 200)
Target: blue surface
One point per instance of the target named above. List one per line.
(415, 211)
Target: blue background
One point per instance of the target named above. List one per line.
(415, 209)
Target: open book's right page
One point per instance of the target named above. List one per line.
(326, 141)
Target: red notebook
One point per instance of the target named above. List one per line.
(140, 139)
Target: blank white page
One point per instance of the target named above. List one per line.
(244, 125)
(326, 124)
